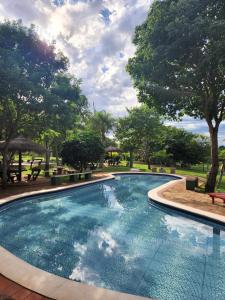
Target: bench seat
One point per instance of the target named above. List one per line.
(58, 179)
(217, 195)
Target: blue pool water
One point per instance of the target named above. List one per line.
(109, 235)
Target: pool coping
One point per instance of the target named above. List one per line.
(155, 195)
(57, 287)
(48, 284)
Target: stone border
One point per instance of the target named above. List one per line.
(48, 284)
(57, 287)
(155, 196)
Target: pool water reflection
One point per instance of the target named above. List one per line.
(109, 235)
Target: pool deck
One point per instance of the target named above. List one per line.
(179, 194)
(172, 194)
(10, 290)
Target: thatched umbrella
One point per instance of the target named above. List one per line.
(21, 144)
(112, 149)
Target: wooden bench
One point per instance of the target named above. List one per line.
(58, 179)
(217, 195)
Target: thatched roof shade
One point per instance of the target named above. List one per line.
(112, 149)
(22, 144)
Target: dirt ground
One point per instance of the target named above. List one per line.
(42, 183)
(178, 193)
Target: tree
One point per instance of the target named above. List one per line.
(179, 65)
(69, 105)
(185, 147)
(101, 122)
(140, 131)
(28, 67)
(86, 148)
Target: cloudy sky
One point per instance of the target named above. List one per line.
(96, 35)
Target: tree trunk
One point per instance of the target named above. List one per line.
(149, 164)
(57, 155)
(20, 166)
(211, 180)
(131, 159)
(47, 156)
(5, 166)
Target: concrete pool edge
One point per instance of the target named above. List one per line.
(56, 287)
(45, 283)
(155, 195)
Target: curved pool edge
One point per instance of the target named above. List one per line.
(51, 285)
(52, 190)
(48, 284)
(155, 195)
(56, 287)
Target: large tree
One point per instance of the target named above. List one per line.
(68, 105)
(185, 147)
(101, 122)
(86, 148)
(28, 67)
(139, 131)
(179, 65)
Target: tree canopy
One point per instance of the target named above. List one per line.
(38, 95)
(185, 147)
(86, 148)
(139, 131)
(179, 65)
(101, 122)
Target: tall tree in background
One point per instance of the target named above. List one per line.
(186, 147)
(101, 122)
(69, 104)
(28, 67)
(140, 130)
(179, 65)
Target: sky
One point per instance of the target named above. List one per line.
(96, 35)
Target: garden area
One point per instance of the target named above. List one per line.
(60, 135)
(64, 219)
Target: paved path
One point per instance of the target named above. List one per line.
(10, 290)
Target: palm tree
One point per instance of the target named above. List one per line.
(102, 122)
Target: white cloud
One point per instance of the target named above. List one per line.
(97, 37)
(97, 45)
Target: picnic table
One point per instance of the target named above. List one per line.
(217, 195)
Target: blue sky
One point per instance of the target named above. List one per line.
(96, 35)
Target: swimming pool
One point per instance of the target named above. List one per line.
(109, 235)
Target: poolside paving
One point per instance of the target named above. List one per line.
(42, 183)
(10, 290)
(179, 194)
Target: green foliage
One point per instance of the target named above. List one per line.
(179, 64)
(38, 97)
(161, 157)
(27, 69)
(222, 153)
(86, 148)
(101, 122)
(185, 147)
(140, 131)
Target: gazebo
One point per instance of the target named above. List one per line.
(20, 145)
(112, 149)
